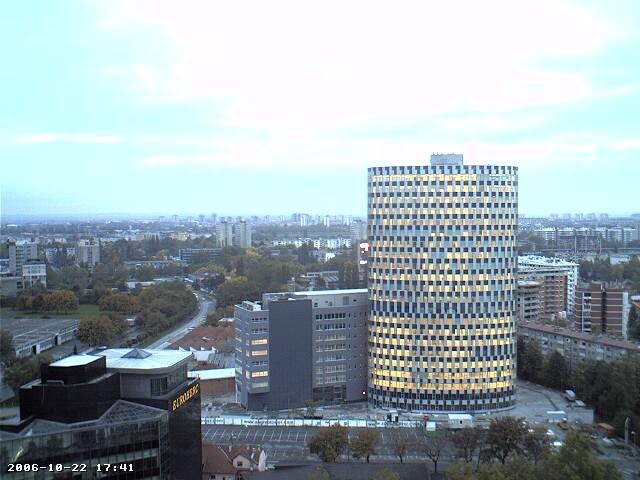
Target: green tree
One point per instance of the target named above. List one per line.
(576, 461)
(536, 443)
(364, 443)
(505, 436)
(319, 473)
(7, 352)
(24, 370)
(530, 361)
(386, 474)
(633, 324)
(330, 442)
(555, 371)
(460, 471)
(234, 291)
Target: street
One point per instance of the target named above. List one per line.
(182, 329)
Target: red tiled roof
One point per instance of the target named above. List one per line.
(206, 337)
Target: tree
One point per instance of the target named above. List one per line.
(329, 442)
(555, 372)
(536, 443)
(433, 445)
(311, 408)
(7, 352)
(119, 302)
(633, 324)
(400, 443)
(96, 330)
(465, 442)
(63, 301)
(24, 370)
(531, 362)
(386, 474)
(505, 436)
(364, 443)
(460, 471)
(220, 313)
(234, 291)
(319, 473)
(576, 461)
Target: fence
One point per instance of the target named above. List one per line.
(299, 422)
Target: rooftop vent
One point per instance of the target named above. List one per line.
(137, 353)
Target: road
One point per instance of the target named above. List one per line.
(182, 329)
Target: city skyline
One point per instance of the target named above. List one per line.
(149, 107)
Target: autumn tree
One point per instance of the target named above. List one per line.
(330, 442)
(400, 443)
(466, 442)
(319, 473)
(386, 474)
(364, 443)
(536, 443)
(433, 445)
(505, 436)
(96, 330)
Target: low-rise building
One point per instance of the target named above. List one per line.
(227, 462)
(576, 347)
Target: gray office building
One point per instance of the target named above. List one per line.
(300, 346)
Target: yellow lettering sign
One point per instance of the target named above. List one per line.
(184, 397)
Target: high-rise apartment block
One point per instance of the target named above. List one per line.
(88, 253)
(301, 346)
(529, 300)
(236, 234)
(602, 308)
(558, 278)
(442, 285)
(19, 253)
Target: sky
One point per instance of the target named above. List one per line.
(239, 108)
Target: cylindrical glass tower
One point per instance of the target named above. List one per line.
(442, 285)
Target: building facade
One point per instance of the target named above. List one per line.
(602, 308)
(559, 279)
(576, 347)
(88, 253)
(236, 234)
(442, 286)
(529, 300)
(20, 252)
(301, 346)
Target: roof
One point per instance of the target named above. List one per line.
(128, 359)
(121, 411)
(206, 337)
(344, 471)
(29, 331)
(219, 458)
(545, 261)
(460, 416)
(347, 291)
(587, 337)
(74, 360)
(213, 374)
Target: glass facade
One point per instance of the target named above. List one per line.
(442, 265)
(128, 434)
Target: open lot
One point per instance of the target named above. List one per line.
(84, 310)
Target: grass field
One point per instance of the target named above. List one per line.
(83, 311)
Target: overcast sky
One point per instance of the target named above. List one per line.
(278, 107)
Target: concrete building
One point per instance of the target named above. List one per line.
(237, 234)
(558, 277)
(301, 346)
(576, 347)
(20, 252)
(32, 336)
(442, 286)
(529, 300)
(88, 253)
(34, 272)
(188, 255)
(602, 308)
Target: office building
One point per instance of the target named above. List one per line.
(20, 252)
(602, 308)
(158, 378)
(442, 286)
(301, 346)
(88, 253)
(558, 277)
(74, 414)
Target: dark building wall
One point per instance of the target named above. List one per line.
(70, 403)
(290, 357)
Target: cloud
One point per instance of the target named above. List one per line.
(331, 65)
(35, 138)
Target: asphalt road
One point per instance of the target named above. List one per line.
(182, 329)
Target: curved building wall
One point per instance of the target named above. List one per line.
(442, 287)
